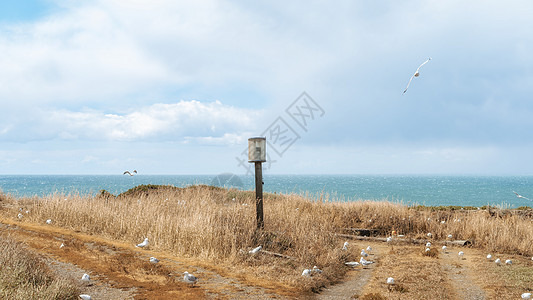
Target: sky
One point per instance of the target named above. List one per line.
(178, 87)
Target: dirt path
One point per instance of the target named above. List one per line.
(121, 271)
(459, 271)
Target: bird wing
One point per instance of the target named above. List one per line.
(409, 83)
(423, 64)
(127, 172)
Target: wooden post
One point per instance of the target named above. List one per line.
(259, 195)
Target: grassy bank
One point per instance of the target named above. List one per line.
(23, 275)
(218, 225)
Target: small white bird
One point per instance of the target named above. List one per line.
(390, 280)
(389, 239)
(429, 234)
(365, 262)
(520, 196)
(508, 262)
(427, 249)
(351, 263)
(317, 270)
(85, 277)
(461, 254)
(526, 296)
(489, 256)
(143, 244)
(368, 249)
(363, 253)
(189, 278)
(428, 244)
(306, 273)
(450, 236)
(444, 248)
(498, 261)
(416, 74)
(442, 222)
(345, 247)
(49, 221)
(20, 216)
(85, 297)
(154, 260)
(255, 250)
(62, 245)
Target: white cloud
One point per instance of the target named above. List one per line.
(193, 120)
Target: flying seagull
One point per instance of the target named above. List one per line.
(416, 74)
(520, 196)
(128, 172)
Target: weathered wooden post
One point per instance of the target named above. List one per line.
(257, 155)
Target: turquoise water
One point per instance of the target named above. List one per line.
(424, 190)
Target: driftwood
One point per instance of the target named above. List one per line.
(405, 240)
(277, 254)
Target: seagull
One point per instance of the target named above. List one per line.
(416, 74)
(189, 278)
(428, 244)
(154, 260)
(143, 244)
(255, 250)
(489, 256)
(508, 262)
(306, 273)
(316, 270)
(345, 247)
(49, 221)
(520, 196)
(461, 254)
(497, 261)
(352, 263)
(429, 234)
(363, 253)
(526, 296)
(62, 245)
(390, 280)
(427, 249)
(369, 249)
(450, 236)
(444, 248)
(20, 216)
(128, 172)
(365, 262)
(85, 297)
(85, 277)
(389, 239)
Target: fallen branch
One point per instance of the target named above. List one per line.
(404, 240)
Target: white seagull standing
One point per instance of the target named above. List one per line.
(154, 260)
(365, 262)
(85, 297)
(345, 247)
(85, 277)
(520, 196)
(255, 250)
(416, 74)
(143, 244)
(189, 278)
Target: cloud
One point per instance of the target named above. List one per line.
(182, 121)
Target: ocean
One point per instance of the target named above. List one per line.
(408, 189)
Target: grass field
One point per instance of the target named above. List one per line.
(217, 226)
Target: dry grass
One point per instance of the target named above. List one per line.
(206, 223)
(23, 275)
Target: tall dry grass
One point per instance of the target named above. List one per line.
(206, 223)
(23, 275)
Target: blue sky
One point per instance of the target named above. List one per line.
(177, 87)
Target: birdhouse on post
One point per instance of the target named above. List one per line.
(257, 155)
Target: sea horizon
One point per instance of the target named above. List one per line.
(410, 189)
